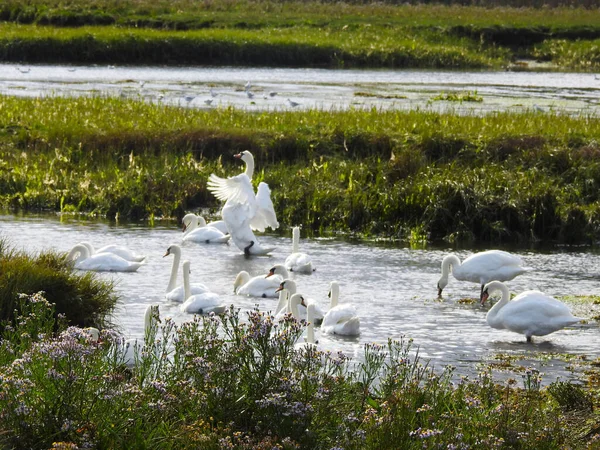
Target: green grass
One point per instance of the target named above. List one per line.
(503, 177)
(238, 382)
(290, 34)
(83, 299)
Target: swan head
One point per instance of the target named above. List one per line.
(442, 283)
(288, 284)
(245, 156)
(242, 278)
(278, 269)
(187, 220)
(172, 250)
(490, 288)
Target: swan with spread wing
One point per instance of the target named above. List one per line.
(244, 211)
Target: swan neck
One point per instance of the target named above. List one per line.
(493, 313)
(174, 268)
(186, 281)
(295, 239)
(293, 304)
(335, 293)
(249, 167)
(310, 329)
(450, 261)
(81, 250)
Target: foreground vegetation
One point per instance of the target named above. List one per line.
(503, 177)
(81, 299)
(232, 382)
(306, 34)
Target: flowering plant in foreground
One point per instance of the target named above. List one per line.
(238, 382)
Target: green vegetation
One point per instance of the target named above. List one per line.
(458, 97)
(503, 177)
(82, 300)
(294, 34)
(224, 382)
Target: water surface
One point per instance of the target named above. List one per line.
(393, 288)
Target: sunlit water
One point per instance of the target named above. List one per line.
(393, 288)
(311, 88)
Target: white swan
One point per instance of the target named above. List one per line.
(309, 340)
(531, 313)
(298, 261)
(176, 293)
(481, 268)
(260, 286)
(282, 306)
(340, 319)
(291, 287)
(100, 262)
(244, 211)
(131, 347)
(196, 230)
(118, 250)
(200, 303)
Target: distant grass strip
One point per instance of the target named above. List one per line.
(503, 177)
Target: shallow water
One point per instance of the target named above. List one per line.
(325, 89)
(393, 288)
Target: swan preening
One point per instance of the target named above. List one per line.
(204, 303)
(196, 229)
(261, 285)
(176, 293)
(298, 261)
(481, 268)
(118, 250)
(340, 319)
(531, 313)
(245, 211)
(100, 262)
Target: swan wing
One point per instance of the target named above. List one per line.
(299, 262)
(177, 294)
(107, 262)
(237, 189)
(490, 265)
(206, 235)
(340, 313)
(261, 287)
(121, 251)
(219, 225)
(265, 214)
(202, 303)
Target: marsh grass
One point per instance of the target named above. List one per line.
(238, 382)
(503, 177)
(83, 299)
(287, 34)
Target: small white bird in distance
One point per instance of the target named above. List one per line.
(208, 101)
(213, 93)
(249, 94)
(292, 103)
(247, 86)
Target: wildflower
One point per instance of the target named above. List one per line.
(424, 408)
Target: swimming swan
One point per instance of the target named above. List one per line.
(340, 319)
(481, 268)
(204, 303)
(118, 250)
(100, 262)
(245, 211)
(196, 230)
(291, 287)
(309, 340)
(260, 286)
(531, 313)
(298, 261)
(176, 293)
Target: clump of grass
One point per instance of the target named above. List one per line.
(229, 382)
(83, 299)
(460, 97)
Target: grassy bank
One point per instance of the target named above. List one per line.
(233, 382)
(505, 177)
(81, 299)
(290, 34)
